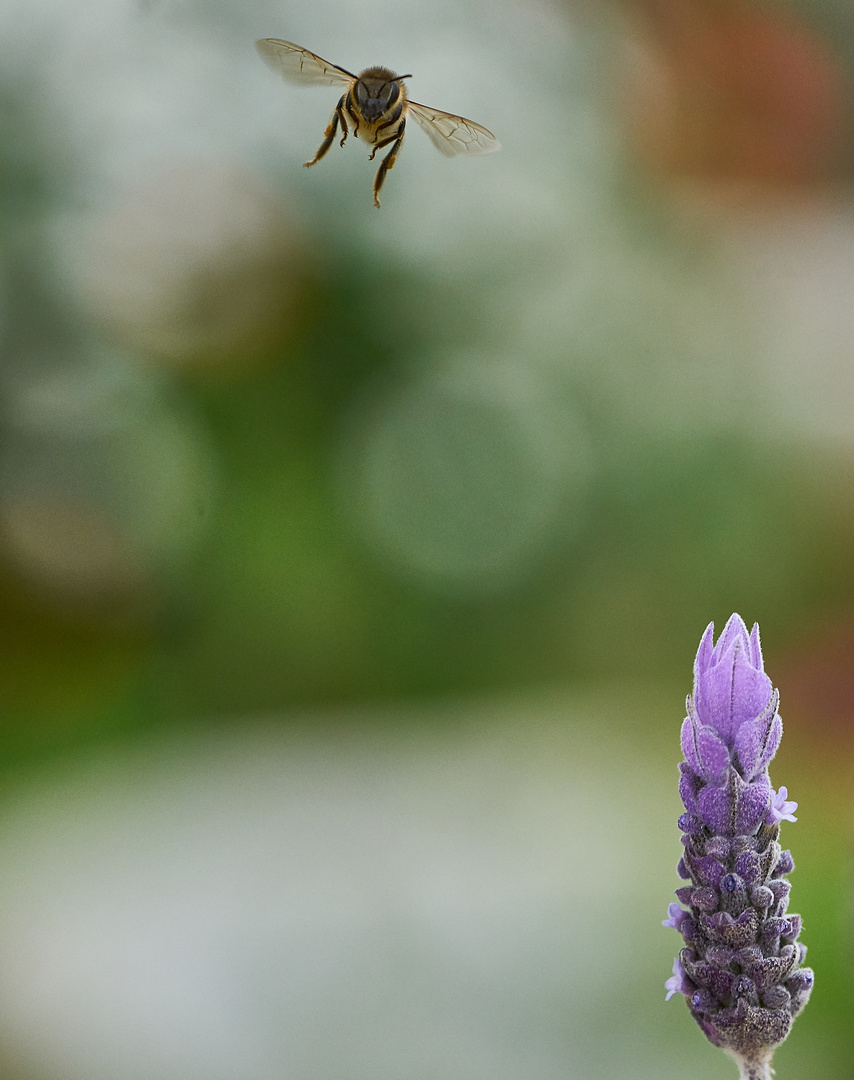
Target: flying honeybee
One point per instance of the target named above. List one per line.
(376, 105)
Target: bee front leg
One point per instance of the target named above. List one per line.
(389, 160)
(329, 134)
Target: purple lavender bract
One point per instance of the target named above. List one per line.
(741, 969)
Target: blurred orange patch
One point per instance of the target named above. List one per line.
(819, 683)
(726, 91)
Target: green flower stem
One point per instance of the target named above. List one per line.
(755, 1069)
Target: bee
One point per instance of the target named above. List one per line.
(376, 106)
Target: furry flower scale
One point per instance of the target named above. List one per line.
(740, 970)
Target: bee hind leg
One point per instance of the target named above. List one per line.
(388, 161)
(330, 133)
(345, 131)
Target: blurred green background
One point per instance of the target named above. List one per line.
(412, 514)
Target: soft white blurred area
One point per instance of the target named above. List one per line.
(799, 263)
(463, 894)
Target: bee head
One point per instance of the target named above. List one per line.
(376, 90)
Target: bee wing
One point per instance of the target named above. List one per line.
(297, 65)
(451, 134)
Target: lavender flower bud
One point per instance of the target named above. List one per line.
(741, 971)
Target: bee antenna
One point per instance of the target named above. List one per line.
(396, 78)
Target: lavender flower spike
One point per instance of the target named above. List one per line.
(740, 970)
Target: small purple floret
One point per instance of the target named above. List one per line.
(678, 982)
(676, 915)
(781, 809)
(740, 972)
